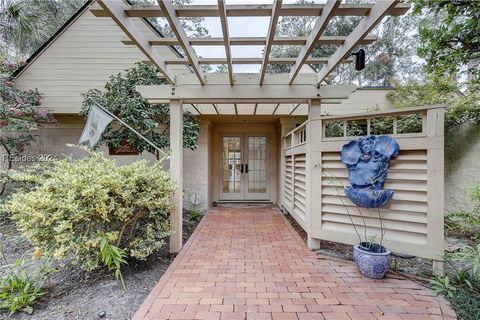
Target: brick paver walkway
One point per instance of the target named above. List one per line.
(251, 264)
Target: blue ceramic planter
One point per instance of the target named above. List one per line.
(372, 264)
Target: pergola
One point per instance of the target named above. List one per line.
(192, 87)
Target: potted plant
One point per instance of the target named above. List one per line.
(367, 160)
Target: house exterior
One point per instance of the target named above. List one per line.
(254, 144)
(89, 49)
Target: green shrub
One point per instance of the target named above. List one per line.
(463, 224)
(195, 215)
(73, 204)
(466, 304)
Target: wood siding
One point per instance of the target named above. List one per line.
(82, 57)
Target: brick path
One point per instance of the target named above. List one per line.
(251, 264)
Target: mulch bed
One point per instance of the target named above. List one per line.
(405, 264)
(76, 294)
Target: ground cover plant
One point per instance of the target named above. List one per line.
(461, 284)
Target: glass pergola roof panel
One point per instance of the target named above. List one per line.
(247, 51)
(247, 1)
(246, 108)
(209, 27)
(265, 108)
(246, 68)
(285, 108)
(302, 110)
(210, 51)
(248, 26)
(191, 108)
(226, 108)
(206, 108)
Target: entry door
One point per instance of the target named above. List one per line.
(244, 168)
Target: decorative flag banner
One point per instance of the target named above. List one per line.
(97, 121)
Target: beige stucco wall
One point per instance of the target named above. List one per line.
(462, 166)
(53, 139)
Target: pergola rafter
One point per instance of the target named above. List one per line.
(252, 41)
(373, 13)
(116, 12)
(378, 11)
(226, 39)
(254, 10)
(177, 28)
(269, 40)
(320, 26)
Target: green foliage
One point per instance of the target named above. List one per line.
(21, 283)
(195, 215)
(73, 204)
(449, 35)
(389, 57)
(466, 224)
(475, 194)
(466, 304)
(20, 115)
(442, 285)
(463, 224)
(113, 257)
(469, 257)
(462, 284)
(26, 24)
(151, 120)
(18, 293)
(462, 106)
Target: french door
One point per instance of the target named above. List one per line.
(244, 167)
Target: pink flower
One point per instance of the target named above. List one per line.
(3, 123)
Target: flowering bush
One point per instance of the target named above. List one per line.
(71, 205)
(20, 114)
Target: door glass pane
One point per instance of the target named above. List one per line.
(257, 164)
(231, 157)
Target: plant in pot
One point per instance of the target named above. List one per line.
(367, 160)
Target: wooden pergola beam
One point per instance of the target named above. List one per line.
(177, 28)
(379, 10)
(253, 10)
(252, 41)
(226, 38)
(320, 26)
(270, 36)
(225, 93)
(117, 13)
(287, 60)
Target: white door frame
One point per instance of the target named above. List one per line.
(244, 195)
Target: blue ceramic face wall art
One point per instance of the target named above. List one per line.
(367, 160)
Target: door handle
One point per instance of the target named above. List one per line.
(241, 168)
(246, 168)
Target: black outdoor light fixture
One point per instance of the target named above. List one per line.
(359, 59)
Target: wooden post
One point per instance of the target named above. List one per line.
(314, 127)
(176, 173)
(435, 177)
